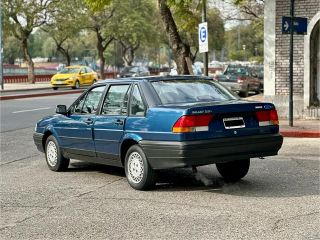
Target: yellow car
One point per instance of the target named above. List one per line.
(74, 76)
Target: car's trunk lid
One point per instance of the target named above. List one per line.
(230, 119)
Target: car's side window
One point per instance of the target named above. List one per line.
(89, 102)
(116, 101)
(137, 107)
(78, 106)
(83, 70)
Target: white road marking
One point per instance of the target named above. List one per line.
(31, 110)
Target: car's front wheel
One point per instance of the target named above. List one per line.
(138, 171)
(76, 85)
(56, 162)
(235, 170)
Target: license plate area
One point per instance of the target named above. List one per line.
(234, 122)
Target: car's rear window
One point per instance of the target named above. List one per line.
(188, 91)
(233, 70)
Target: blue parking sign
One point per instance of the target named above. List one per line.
(203, 37)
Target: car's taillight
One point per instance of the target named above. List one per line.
(239, 80)
(192, 123)
(268, 117)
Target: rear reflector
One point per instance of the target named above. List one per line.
(267, 118)
(192, 123)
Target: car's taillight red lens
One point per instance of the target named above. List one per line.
(269, 117)
(192, 123)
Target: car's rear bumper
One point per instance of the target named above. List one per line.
(38, 138)
(165, 154)
(234, 86)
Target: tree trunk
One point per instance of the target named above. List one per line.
(128, 56)
(68, 57)
(65, 53)
(100, 49)
(28, 59)
(180, 50)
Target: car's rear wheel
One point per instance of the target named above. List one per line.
(76, 85)
(138, 171)
(56, 162)
(245, 93)
(235, 170)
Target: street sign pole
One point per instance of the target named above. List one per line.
(205, 55)
(291, 66)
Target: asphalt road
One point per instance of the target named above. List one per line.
(25, 112)
(278, 199)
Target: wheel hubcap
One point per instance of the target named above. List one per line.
(52, 154)
(135, 167)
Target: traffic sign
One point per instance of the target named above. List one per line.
(300, 25)
(203, 37)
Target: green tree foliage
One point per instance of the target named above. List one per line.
(22, 17)
(100, 22)
(11, 51)
(250, 8)
(65, 27)
(137, 26)
(251, 36)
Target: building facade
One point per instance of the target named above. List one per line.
(306, 59)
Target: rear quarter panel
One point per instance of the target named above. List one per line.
(156, 125)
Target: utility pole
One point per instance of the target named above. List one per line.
(1, 49)
(291, 66)
(204, 19)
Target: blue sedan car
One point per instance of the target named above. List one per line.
(151, 123)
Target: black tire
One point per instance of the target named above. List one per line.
(134, 161)
(55, 163)
(235, 170)
(76, 85)
(54, 88)
(94, 81)
(245, 93)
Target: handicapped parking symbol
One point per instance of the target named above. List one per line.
(203, 34)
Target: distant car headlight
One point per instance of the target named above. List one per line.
(118, 75)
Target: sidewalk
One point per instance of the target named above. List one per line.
(12, 87)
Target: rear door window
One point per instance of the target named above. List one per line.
(137, 107)
(116, 101)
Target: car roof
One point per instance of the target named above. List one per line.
(155, 78)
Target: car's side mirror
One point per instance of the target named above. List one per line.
(61, 109)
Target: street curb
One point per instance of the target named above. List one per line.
(301, 134)
(25, 89)
(10, 97)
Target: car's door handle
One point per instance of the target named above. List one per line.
(88, 121)
(118, 122)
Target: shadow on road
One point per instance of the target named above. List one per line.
(93, 167)
(285, 178)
